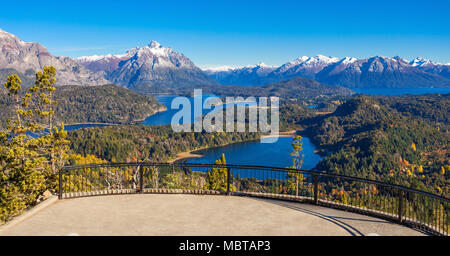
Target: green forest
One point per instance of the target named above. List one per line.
(376, 138)
(146, 143)
(92, 104)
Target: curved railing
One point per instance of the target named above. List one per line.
(410, 207)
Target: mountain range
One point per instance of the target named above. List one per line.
(248, 75)
(374, 72)
(155, 68)
(152, 68)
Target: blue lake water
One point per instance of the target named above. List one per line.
(165, 118)
(72, 127)
(256, 153)
(250, 153)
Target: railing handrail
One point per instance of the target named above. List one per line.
(256, 167)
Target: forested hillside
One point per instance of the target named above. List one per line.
(369, 139)
(433, 108)
(94, 104)
(298, 88)
(143, 143)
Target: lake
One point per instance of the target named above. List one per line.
(72, 127)
(256, 153)
(248, 153)
(165, 118)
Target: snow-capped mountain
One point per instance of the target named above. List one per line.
(379, 72)
(98, 63)
(155, 68)
(149, 68)
(248, 75)
(302, 67)
(25, 58)
(432, 67)
(374, 72)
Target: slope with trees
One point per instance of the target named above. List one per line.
(96, 104)
(369, 139)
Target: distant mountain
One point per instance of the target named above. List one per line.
(248, 75)
(25, 58)
(152, 68)
(156, 69)
(374, 72)
(302, 67)
(379, 72)
(432, 67)
(107, 63)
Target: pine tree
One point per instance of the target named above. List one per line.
(28, 165)
(217, 176)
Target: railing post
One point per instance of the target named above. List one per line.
(141, 180)
(228, 181)
(60, 192)
(400, 205)
(316, 189)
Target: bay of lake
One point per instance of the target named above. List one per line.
(246, 153)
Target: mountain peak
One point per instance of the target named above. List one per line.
(22, 56)
(400, 59)
(154, 44)
(419, 61)
(261, 64)
(324, 58)
(301, 59)
(348, 60)
(8, 37)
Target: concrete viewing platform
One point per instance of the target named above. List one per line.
(197, 215)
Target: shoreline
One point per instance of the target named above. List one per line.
(187, 154)
(190, 153)
(137, 121)
(93, 123)
(159, 110)
(290, 133)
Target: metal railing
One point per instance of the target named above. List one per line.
(410, 207)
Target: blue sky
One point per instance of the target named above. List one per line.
(215, 33)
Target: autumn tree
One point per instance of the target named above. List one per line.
(217, 177)
(32, 147)
(295, 178)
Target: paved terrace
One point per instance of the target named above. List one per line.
(197, 215)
